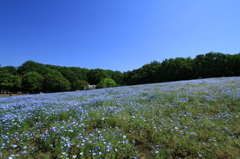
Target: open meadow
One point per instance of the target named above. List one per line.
(184, 119)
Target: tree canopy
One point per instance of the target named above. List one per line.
(106, 82)
(33, 76)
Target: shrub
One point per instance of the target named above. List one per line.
(106, 82)
(80, 84)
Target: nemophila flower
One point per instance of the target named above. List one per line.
(14, 146)
(24, 152)
(25, 147)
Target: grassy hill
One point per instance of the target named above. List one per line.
(183, 119)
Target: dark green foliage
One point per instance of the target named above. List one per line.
(233, 65)
(14, 82)
(117, 76)
(211, 65)
(80, 85)
(10, 69)
(80, 73)
(30, 66)
(32, 81)
(4, 75)
(149, 72)
(176, 69)
(55, 82)
(68, 74)
(202, 66)
(94, 76)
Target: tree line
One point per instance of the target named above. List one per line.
(36, 77)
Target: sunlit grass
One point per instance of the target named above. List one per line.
(184, 119)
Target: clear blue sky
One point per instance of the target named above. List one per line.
(115, 34)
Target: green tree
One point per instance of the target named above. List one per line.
(233, 65)
(176, 69)
(149, 73)
(31, 66)
(80, 84)
(10, 69)
(69, 75)
(211, 65)
(80, 73)
(32, 81)
(4, 75)
(106, 82)
(55, 82)
(199, 66)
(117, 76)
(94, 76)
(13, 82)
(132, 77)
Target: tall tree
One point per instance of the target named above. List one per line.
(30, 66)
(94, 76)
(10, 69)
(69, 75)
(80, 85)
(149, 73)
(13, 82)
(4, 76)
(233, 65)
(32, 81)
(55, 82)
(80, 73)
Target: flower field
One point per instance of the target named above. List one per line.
(184, 119)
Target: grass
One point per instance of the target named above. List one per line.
(184, 119)
(7, 95)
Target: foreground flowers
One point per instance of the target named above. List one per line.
(197, 118)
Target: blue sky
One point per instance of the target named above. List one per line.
(115, 34)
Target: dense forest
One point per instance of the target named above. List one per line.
(36, 77)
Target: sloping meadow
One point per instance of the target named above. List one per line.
(184, 119)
